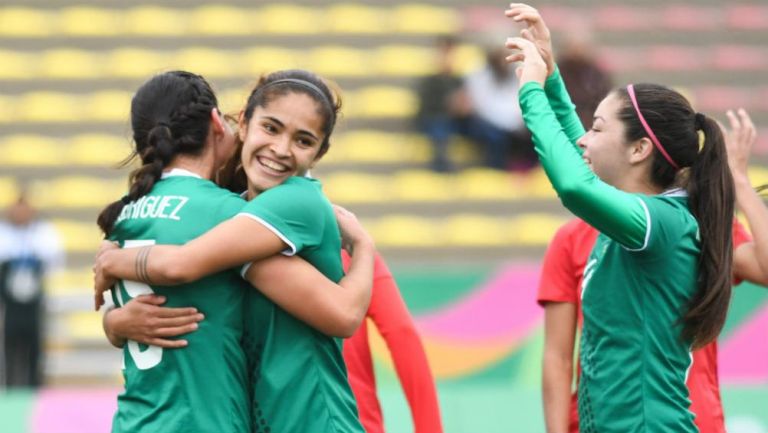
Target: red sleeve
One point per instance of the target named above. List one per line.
(559, 276)
(740, 237)
(395, 324)
(740, 234)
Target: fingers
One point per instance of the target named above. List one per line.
(150, 299)
(517, 57)
(748, 126)
(174, 331)
(167, 344)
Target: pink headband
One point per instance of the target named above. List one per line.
(656, 142)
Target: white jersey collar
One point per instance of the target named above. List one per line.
(175, 172)
(674, 192)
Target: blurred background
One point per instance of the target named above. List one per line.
(462, 226)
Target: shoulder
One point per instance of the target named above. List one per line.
(295, 191)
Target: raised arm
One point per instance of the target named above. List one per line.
(750, 259)
(622, 216)
(554, 87)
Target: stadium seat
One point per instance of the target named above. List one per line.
(70, 281)
(77, 236)
(134, 63)
(487, 184)
(262, 60)
(48, 107)
(152, 20)
(22, 22)
(98, 150)
(404, 231)
(350, 187)
(339, 61)
(84, 325)
(473, 230)
(89, 21)
(17, 65)
(217, 20)
(9, 190)
(356, 18)
(208, 62)
(382, 101)
(289, 19)
(422, 186)
(424, 18)
(534, 229)
(78, 192)
(404, 60)
(70, 64)
(27, 150)
(106, 106)
(370, 146)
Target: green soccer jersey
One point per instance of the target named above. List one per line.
(202, 387)
(299, 377)
(637, 283)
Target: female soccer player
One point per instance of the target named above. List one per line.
(657, 283)
(298, 374)
(182, 140)
(561, 275)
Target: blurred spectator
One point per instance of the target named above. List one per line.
(437, 98)
(587, 82)
(29, 248)
(494, 120)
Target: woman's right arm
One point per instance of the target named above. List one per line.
(336, 310)
(622, 216)
(233, 242)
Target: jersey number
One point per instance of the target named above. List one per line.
(151, 355)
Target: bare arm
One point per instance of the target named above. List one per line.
(559, 336)
(229, 244)
(142, 319)
(750, 260)
(296, 286)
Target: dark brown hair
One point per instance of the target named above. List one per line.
(711, 197)
(170, 115)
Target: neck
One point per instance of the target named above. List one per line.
(195, 165)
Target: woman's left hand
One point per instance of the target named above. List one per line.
(534, 67)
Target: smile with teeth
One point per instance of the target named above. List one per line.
(272, 165)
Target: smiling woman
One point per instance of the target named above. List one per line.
(294, 369)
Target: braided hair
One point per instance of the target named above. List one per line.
(170, 115)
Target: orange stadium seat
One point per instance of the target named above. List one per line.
(534, 229)
(382, 101)
(351, 187)
(371, 146)
(48, 107)
(9, 190)
(261, 60)
(404, 60)
(77, 236)
(98, 150)
(209, 62)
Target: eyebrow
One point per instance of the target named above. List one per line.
(282, 125)
(598, 117)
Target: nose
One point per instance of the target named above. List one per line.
(582, 142)
(282, 146)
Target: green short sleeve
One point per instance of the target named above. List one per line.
(292, 211)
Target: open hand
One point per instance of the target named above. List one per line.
(536, 32)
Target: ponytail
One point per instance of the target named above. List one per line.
(156, 156)
(711, 199)
(170, 115)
